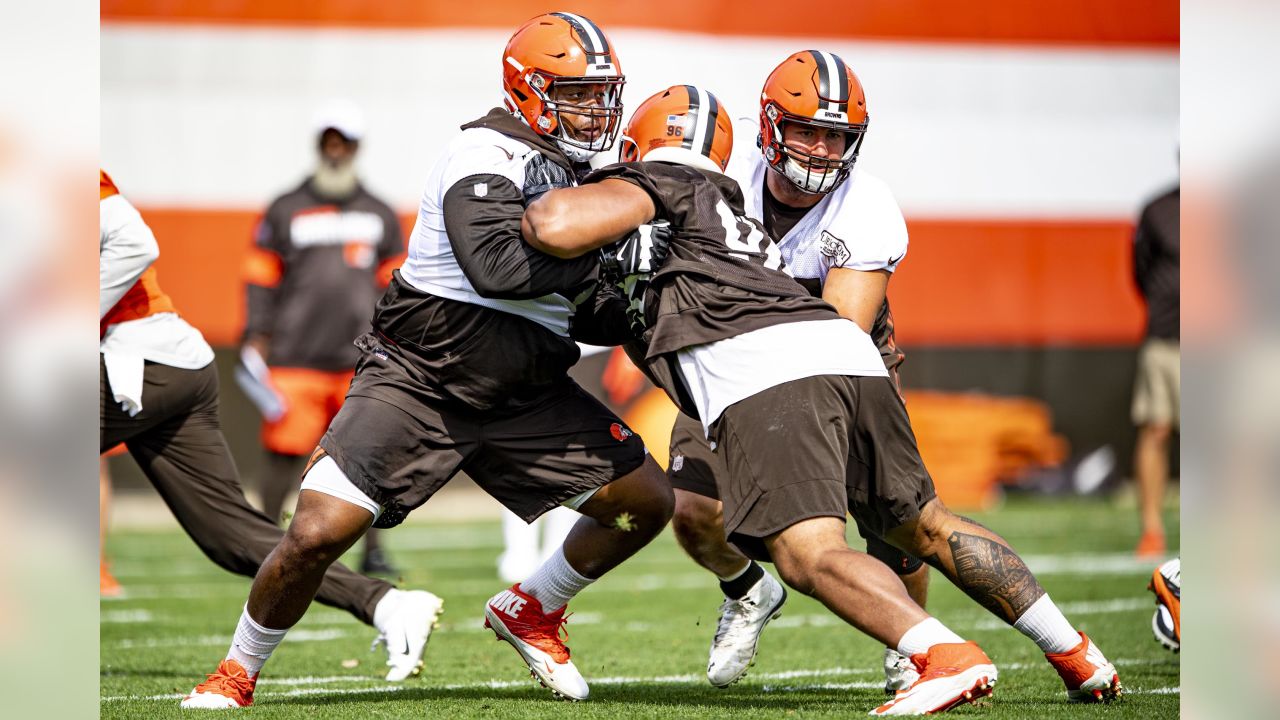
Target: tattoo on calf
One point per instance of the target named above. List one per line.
(993, 575)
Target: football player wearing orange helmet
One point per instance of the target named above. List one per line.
(812, 121)
(466, 369)
(789, 392)
(842, 236)
(741, 350)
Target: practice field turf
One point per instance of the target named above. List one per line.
(639, 636)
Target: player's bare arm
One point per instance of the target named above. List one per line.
(569, 222)
(856, 294)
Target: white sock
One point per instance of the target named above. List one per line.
(556, 524)
(386, 607)
(1044, 623)
(555, 583)
(924, 635)
(253, 644)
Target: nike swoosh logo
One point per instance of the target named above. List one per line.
(547, 665)
(894, 261)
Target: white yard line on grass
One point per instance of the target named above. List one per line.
(690, 679)
(300, 635)
(1092, 564)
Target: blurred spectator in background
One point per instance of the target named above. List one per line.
(108, 586)
(1156, 393)
(322, 255)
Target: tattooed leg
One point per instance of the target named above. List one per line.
(977, 560)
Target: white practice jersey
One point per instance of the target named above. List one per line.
(431, 266)
(857, 226)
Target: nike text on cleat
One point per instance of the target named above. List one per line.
(1086, 673)
(228, 687)
(1166, 583)
(518, 619)
(951, 674)
(407, 633)
(899, 672)
(733, 649)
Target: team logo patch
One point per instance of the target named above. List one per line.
(677, 463)
(619, 432)
(834, 249)
(480, 189)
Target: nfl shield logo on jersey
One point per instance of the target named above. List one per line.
(834, 249)
(480, 189)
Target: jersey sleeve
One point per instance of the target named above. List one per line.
(126, 246)
(671, 187)
(868, 231)
(483, 202)
(264, 268)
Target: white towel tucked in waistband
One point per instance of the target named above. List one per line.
(124, 372)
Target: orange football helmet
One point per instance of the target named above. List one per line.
(818, 90)
(682, 124)
(563, 63)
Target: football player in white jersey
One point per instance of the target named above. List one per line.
(842, 235)
(466, 369)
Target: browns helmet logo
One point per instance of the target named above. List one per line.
(619, 432)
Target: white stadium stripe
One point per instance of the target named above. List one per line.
(957, 130)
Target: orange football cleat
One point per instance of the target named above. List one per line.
(228, 687)
(951, 674)
(1088, 675)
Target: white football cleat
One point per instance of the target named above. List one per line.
(733, 649)
(899, 672)
(407, 631)
(1086, 673)
(518, 618)
(951, 674)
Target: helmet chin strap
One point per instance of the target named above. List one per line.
(575, 154)
(808, 180)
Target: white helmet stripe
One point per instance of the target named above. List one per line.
(702, 117)
(596, 44)
(833, 72)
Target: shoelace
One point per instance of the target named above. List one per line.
(545, 632)
(733, 617)
(237, 686)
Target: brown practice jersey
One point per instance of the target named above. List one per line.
(315, 274)
(724, 277)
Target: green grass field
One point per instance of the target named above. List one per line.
(639, 636)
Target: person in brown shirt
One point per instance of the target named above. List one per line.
(322, 255)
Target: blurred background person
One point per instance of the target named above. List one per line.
(1156, 392)
(108, 585)
(322, 254)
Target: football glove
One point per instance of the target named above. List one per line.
(640, 253)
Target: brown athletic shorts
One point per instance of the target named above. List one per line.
(398, 442)
(823, 446)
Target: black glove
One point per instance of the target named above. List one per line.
(640, 253)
